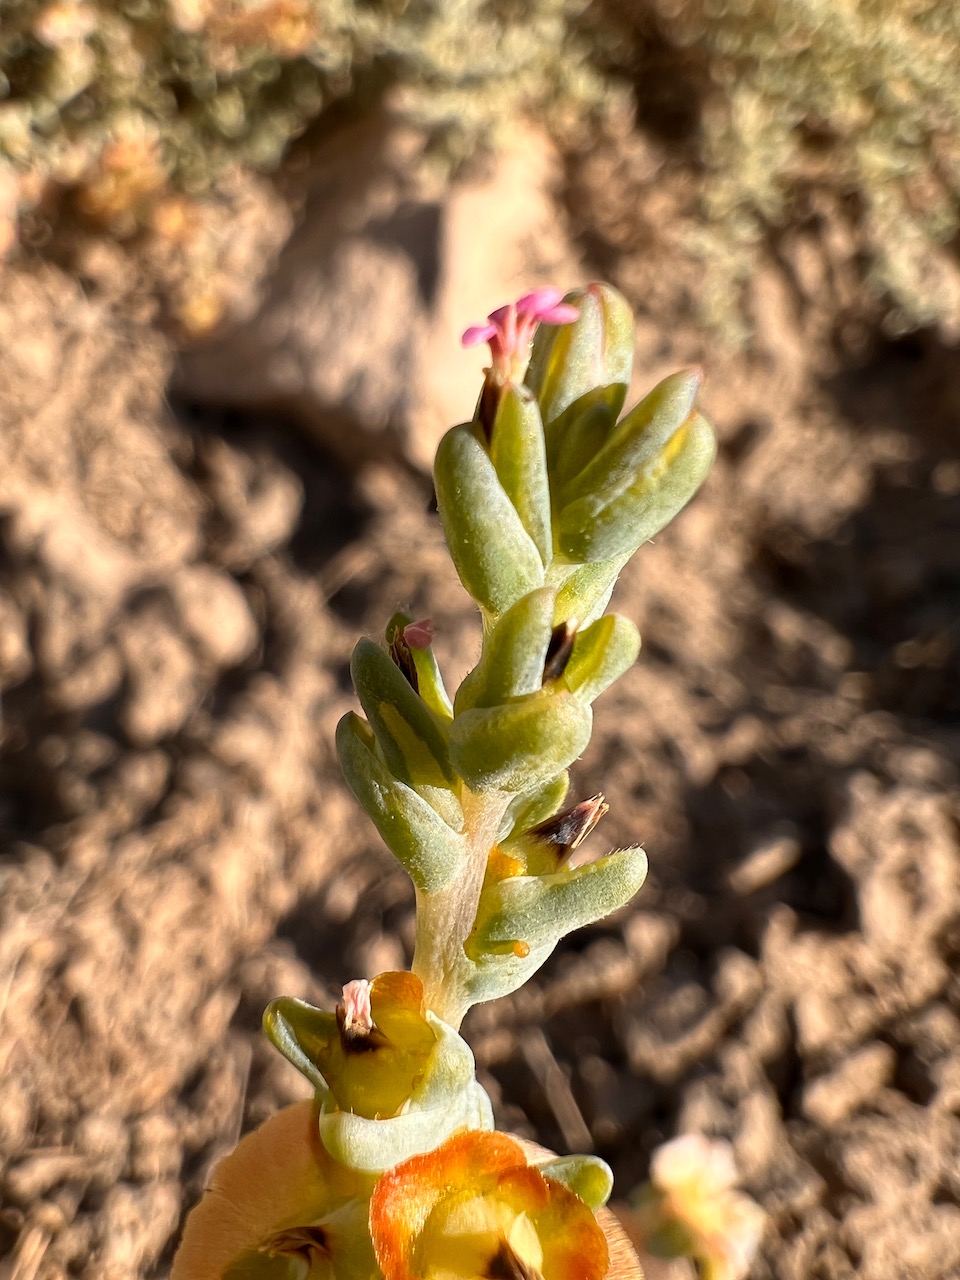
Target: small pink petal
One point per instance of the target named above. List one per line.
(562, 313)
(499, 317)
(419, 635)
(539, 301)
(477, 333)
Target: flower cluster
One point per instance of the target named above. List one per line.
(394, 1171)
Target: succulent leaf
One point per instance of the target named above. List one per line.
(572, 361)
(430, 851)
(407, 732)
(586, 589)
(497, 560)
(539, 910)
(519, 457)
(632, 505)
(302, 1034)
(522, 745)
(601, 654)
(511, 664)
(588, 1177)
(641, 434)
(581, 432)
(531, 807)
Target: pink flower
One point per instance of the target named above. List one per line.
(509, 330)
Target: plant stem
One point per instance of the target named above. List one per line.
(445, 919)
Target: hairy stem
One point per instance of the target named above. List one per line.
(445, 919)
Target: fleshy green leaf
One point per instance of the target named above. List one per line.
(429, 850)
(582, 431)
(511, 664)
(585, 592)
(522, 918)
(519, 457)
(538, 910)
(407, 732)
(301, 1033)
(575, 360)
(521, 745)
(601, 654)
(641, 435)
(497, 560)
(615, 521)
(531, 807)
(588, 1177)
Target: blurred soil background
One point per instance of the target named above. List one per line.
(241, 241)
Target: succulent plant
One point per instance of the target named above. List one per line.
(543, 496)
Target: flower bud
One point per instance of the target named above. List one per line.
(409, 646)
